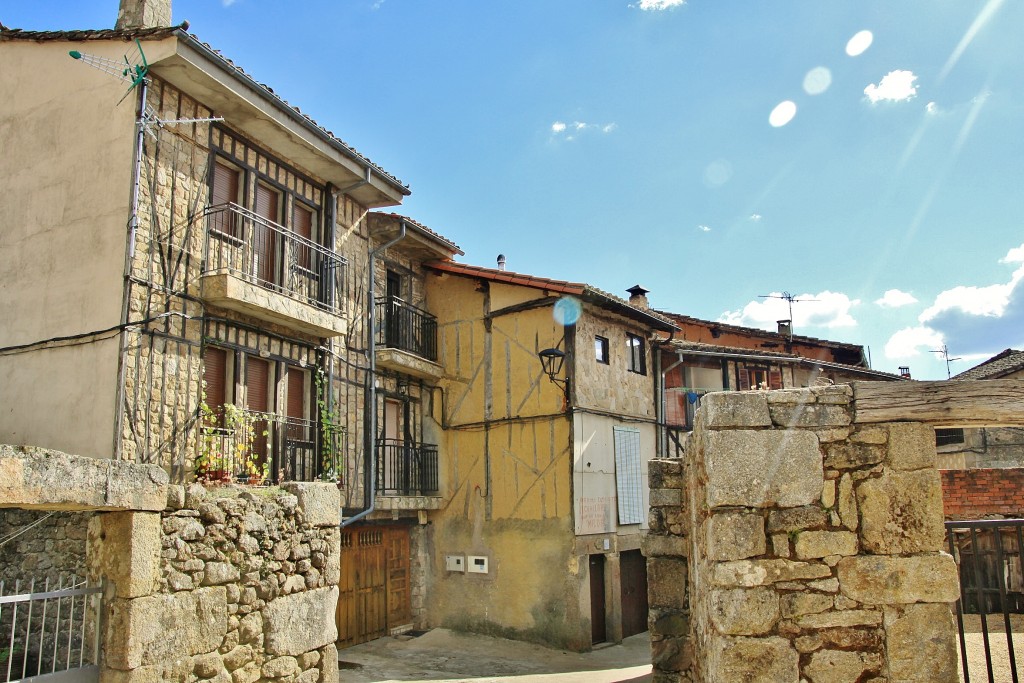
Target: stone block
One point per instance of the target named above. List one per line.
(729, 409)
(809, 415)
(885, 580)
(666, 497)
(840, 619)
(815, 544)
(328, 665)
(798, 604)
(218, 573)
(279, 667)
(921, 645)
(38, 478)
(750, 573)
(667, 582)
(838, 666)
(319, 502)
(846, 455)
(125, 547)
(735, 535)
(300, 622)
(154, 629)
(796, 519)
(665, 473)
(911, 446)
(901, 512)
(672, 654)
(847, 503)
(658, 545)
(743, 611)
(753, 659)
(669, 623)
(762, 468)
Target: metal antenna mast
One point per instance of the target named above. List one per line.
(944, 352)
(790, 299)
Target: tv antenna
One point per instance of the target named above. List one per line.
(790, 299)
(944, 352)
(131, 69)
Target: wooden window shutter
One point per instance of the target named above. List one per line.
(267, 203)
(215, 363)
(296, 393)
(224, 190)
(302, 225)
(775, 379)
(744, 378)
(257, 384)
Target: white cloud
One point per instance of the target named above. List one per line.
(579, 127)
(895, 298)
(703, 228)
(756, 217)
(895, 86)
(911, 341)
(654, 5)
(229, 3)
(932, 109)
(981, 319)
(824, 309)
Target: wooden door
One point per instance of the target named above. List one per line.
(598, 630)
(374, 588)
(633, 573)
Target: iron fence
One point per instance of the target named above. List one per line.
(245, 244)
(49, 630)
(406, 327)
(261, 448)
(989, 559)
(406, 469)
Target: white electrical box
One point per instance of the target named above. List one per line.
(455, 563)
(476, 564)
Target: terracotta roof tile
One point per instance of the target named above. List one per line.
(997, 366)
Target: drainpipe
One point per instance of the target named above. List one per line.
(133, 228)
(371, 403)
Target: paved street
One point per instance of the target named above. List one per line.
(443, 655)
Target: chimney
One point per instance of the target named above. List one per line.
(143, 14)
(785, 327)
(905, 371)
(638, 296)
(501, 262)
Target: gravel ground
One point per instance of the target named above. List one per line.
(998, 646)
(443, 655)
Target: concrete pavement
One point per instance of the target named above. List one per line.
(443, 655)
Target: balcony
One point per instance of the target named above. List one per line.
(248, 447)
(406, 469)
(257, 267)
(406, 338)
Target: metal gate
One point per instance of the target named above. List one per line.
(49, 633)
(374, 588)
(990, 611)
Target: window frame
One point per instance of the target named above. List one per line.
(637, 353)
(601, 350)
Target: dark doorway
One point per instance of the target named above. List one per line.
(633, 568)
(598, 629)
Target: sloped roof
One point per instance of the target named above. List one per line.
(714, 350)
(181, 31)
(419, 227)
(755, 331)
(581, 290)
(999, 365)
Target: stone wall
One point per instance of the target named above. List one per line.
(225, 585)
(975, 494)
(790, 544)
(43, 546)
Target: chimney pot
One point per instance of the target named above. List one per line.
(143, 14)
(501, 262)
(785, 327)
(638, 296)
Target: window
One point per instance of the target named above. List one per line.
(637, 357)
(225, 190)
(759, 378)
(601, 349)
(628, 484)
(945, 437)
(302, 225)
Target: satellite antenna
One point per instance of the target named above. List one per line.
(791, 300)
(944, 352)
(132, 69)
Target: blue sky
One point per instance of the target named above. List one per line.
(618, 142)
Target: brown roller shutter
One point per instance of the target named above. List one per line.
(215, 363)
(296, 393)
(264, 239)
(302, 225)
(257, 381)
(224, 190)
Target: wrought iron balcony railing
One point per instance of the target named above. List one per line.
(406, 469)
(258, 250)
(260, 448)
(403, 326)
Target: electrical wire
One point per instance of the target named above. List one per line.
(86, 337)
(13, 535)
